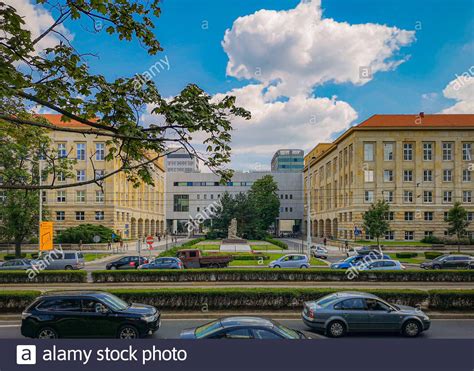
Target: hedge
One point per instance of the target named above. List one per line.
(257, 298)
(43, 277)
(193, 242)
(277, 243)
(22, 256)
(269, 274)
(433, 254)
(406, 255)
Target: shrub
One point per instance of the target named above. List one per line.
(432, 239)
(86, 233)
(16, 301)
(406, 255)
(432, 254)
(277, 243)
(193, 242)
(451, 299)
(43, 277)
(12, 256)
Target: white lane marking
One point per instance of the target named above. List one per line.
(10, 325)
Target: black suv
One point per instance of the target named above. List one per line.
(449, 262)
(127, 262)
(88, 314)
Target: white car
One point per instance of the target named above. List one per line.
(319, 251)
(381, 265)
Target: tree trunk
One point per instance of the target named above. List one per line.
(18, 249)
(378, 243)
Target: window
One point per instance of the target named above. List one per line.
(428, 233)
(427, 175)
(61, 177)
(369, 176)
(447, 151)
(447, 196)
(351, 304)
(408, 175)
(466, 175)
(409, 235)
(428, 215)
(390, 235)
(181, 203)
(408, 215)
(447, 175)
(388, 175)
(61, 196)
(427, 151)
(99, 215)
(100, 151)
(390, 216)
(80, 175)
(61, 305)
(388, 196)
(445, 216)
(80, 215)
(408, 196)
(467, 151)
(470, 216)
(368, 151)
(408, 151)
(60, 216)
(99, 196)
(62, 150)
(427, 197)
(388, 151)
(467, 196)
(80, 151)
(80, 196)
(369, 196)
(265, 334)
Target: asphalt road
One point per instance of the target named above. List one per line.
(171, 328)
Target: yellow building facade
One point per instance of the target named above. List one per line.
(420, 164)
(131, 212)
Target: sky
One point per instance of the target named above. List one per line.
(306, 70)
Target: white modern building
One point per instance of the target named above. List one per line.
(190, 196)
(181, 161)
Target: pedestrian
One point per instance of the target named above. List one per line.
(325, 241)
(346, 245)
(109, 246)
(121, 245)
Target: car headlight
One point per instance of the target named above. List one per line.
(335, 266)
(149, 318)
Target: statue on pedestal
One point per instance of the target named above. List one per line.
(232, 230)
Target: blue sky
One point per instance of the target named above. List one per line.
(192, 32)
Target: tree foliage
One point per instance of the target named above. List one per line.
(85, 233)
(375, 220)
(58, 78)
(457, 220)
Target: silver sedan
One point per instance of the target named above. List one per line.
(343, 312)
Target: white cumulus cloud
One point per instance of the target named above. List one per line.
(460, 89)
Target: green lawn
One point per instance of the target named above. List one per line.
(392, 243)
(93, 256)
(253, 247)
(416, 260)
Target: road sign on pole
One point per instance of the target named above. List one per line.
(46, 236)
(149, 240)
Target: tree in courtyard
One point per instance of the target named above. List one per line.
(375, 220)
(55, 76)
(458, 223)
(266, 204)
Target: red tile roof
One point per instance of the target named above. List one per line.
(55, 119)
(406, 121)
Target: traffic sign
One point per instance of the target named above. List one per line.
(46, 236)
(96, 238)
(149, 240)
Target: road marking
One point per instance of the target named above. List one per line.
(10, 325)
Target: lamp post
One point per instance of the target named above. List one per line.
(308, 209)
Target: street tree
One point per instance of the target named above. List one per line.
(58, 78)
(266, 204)
(458, 223)
(375, 220)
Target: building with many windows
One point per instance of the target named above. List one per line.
(288, 160)
(192, 197)
(180, 161)
(420, 164)
(130, 212)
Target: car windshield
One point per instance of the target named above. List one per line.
(114, 302)
(207, 329)
(326, 300)
(287, 332)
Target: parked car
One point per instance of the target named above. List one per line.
(242, 328)
(449, 262)
(127, 262)
(319, 251)
(16, 264)
(382, 265)
(364, 250)
(343, 312)
(60, 260)
(291, 261)
(358, 260)
(193, 258)
(163, 263)
(87, 314)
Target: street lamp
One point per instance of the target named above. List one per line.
(308, 214)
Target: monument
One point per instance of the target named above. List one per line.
(233, 242)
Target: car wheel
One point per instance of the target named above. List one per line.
(127, 332)
(276, 266)
(411, 329)
(336, 329)
(47, 333)
(112, 268)
(304, 266)
(436, 266)
(68, 267)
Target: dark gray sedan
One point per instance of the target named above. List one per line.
(343, 312)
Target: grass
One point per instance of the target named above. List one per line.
(265, 247)
(216, 247)
(392, 243)
(420, 258)
(264, 262)
(88, 257)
